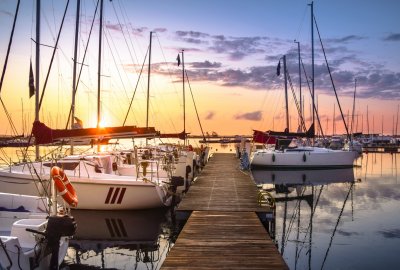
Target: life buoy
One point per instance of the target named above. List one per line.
(64, 187)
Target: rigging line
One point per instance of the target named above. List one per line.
(170, 76)
(115, 63)
(296, 102)
(137, 83)
(119, 59)
(52, 57)
(123, 33)
(309, 89)
(124, 16)
(195, 107)
(337, 223)
(169, 70)
(83, 61)
(25, 151)
(302, 21)
(333, 85)
(9, 46)
(14, 129)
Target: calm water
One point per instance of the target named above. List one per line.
(339, 219)
(325, 219)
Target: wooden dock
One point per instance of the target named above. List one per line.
(223, 231)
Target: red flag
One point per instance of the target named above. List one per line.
(178, 58)
(31, 82)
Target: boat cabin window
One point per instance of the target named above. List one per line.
(70, 166)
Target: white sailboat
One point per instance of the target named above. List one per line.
(303, 156)
(97, 184)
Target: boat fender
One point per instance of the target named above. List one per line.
(114, 166)
(304, 157)
(64, 186)
(303, 177)
(273, 157)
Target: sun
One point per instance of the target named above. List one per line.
(103, 123)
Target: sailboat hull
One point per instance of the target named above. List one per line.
(308, 157)
(105, 192)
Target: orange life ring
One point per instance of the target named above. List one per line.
(64, 187)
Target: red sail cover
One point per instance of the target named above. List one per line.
(263, 137)
(45, 135)
(270, 137)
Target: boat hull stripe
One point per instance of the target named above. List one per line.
(121, 196)
(110, 192)
(114, 198)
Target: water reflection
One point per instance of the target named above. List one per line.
(330, 219)
(120, 239)
(303, 177)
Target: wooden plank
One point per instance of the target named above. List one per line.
(222, 186)
(223, 231)
(224, 240)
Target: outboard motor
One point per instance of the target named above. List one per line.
(57, 227)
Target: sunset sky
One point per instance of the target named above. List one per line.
(231, 51)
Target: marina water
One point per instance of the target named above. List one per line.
(325, 219)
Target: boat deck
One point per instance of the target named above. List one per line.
(223, 231)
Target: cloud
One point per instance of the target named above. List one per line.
(252, 116)
(392, 37)
(160, 30)
(237, 48)
(346, 39)
(373, 80)
(210, 115)
(192, 37)
(6, 13)
(115, 27)
(205, 64)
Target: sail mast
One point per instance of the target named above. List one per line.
(78, 5)
(37, 70)
(99, 65)
(312, 61)
(184, 99)
(286, 94)
(301, 102)
(148, 82)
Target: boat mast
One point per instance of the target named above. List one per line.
(298, 52)
(354, 108)
(184, 99)
(286, 94)
(148, 82)
(99, 65)
(37, 70)
(312, 62)
(78, 5)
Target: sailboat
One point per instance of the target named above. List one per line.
(303, 156)
(95, 178)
